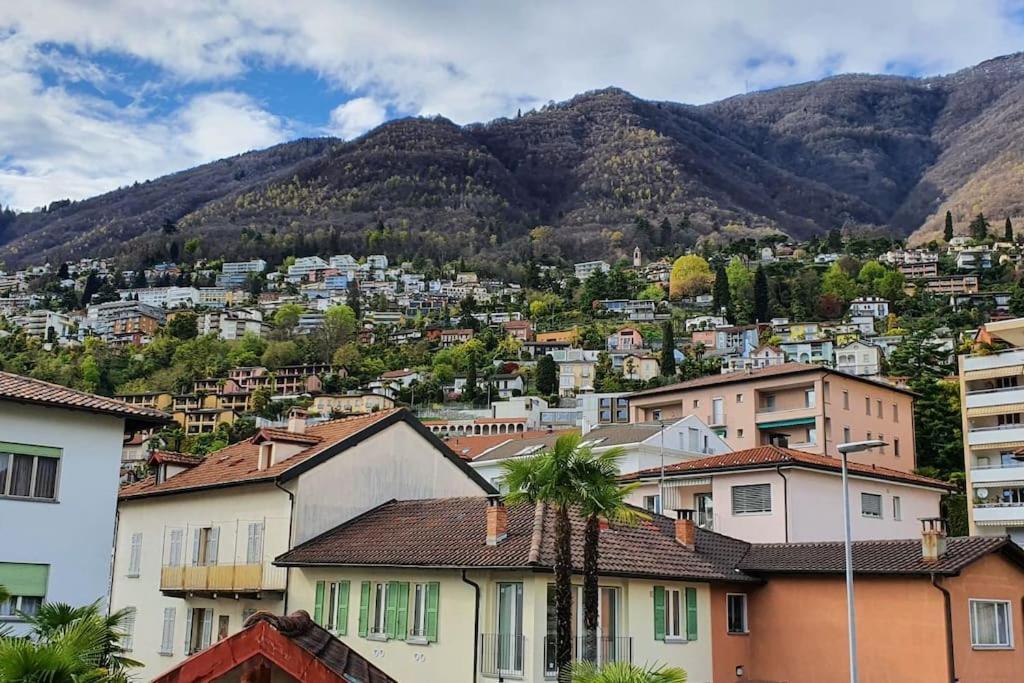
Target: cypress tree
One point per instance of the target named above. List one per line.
(1008, 230)
(668, 347)
(720, 293)
(979, 227)
(547, 375)
(352, 298)
(947, 234)
(762, 312)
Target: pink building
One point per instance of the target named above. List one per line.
(626, 339)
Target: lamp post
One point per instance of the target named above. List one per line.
(845, 449)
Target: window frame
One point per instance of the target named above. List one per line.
(874, 496)
(1008, 614)
(679, 596)
(728, 615)
(36, 453)
(418, 592)
(732, 499)
(897, 509)
(380, 589)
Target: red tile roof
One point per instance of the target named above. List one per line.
(451, 532)
(771, 456)
(270, 434)
(237, 463)
(37, 392)
(469, 447)
(174, 458)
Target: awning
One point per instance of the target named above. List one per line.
(787, 423)
(996, 410)
(1000, 522)
(679, 483)
(995, 484)
(1008, 371)
(24, 579)
(998, 446)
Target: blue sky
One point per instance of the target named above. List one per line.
(98, 95)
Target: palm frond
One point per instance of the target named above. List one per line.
(624, 672)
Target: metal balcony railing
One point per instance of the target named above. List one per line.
(609, 649)
(502, 655)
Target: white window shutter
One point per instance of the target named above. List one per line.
(212, 544)
(189, 617)
(254, 549)
(196, 539)
(135, 558)
(174, 553)
(128, 628)
(167, 637)
(207, 627)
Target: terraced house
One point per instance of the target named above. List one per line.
(196, 539)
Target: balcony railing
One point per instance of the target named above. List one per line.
(1000, 359)
(608, 650)
(226, 578)
(502, 655)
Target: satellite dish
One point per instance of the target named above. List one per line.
(982, 493)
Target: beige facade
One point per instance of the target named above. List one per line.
(351, 404)
(812, 410)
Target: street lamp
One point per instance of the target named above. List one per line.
(845, 449)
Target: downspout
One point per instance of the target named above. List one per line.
(950, 654)
(113, 557)
(476, 621)
(785, 501)
(291, 521)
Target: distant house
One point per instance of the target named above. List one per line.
(874, 306)
(638, 366)
(625, 339)
(587, 268)
(859, 358)
(519, 329)
(508, 385)
(456, 336)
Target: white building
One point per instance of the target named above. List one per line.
(377, 262)
(242, 267)
(46, 324)
(163, 297)
(306, 265)
(60, 460)
(587, 268)
(859, 358)
(874, 306)
(344, 262)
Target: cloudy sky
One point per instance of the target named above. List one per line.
(100, 93)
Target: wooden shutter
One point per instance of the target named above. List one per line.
(318, 604)
(197, 535)
(391, 612)
(212, 546)
(254, 547)
(128, 629)
(207, 628)
(402, 611)
(174, 554)
(659, 613)
(433, 606)
(189, 618)
(135, 558)
(364, 608)
(341, 619)
(167, 637)
(691, 614)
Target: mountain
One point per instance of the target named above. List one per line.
(878, 153)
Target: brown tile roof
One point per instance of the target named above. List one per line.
(771, 456)
(37, 392)
(174, 458)
(270, 434)
(450, 532)
(469, 447)
(760, 373)
(237, 463)
(875, 557)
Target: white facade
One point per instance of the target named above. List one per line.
(858, 358)
(588, 268)
(306, 265)
(164, 297)
(242, 267)
(874, 306)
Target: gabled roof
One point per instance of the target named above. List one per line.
(875, 557)
(295, 645)
(772, 456)
(174, 458)
(451, 533)
(37, 392)
(237, 464)
(468, 447)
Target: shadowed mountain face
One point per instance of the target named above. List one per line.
(860, 152)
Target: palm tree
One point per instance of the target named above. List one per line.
(601, 498)
(624, 672)
(549, 478)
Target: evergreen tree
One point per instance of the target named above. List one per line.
(469, 394)
(947, 233)
(1017, 299)
(762, 311)
(62, 272)
(668, 347)
(979, 227)
(666, 232)
(353, 298)
(720, 292)
(547, 375)
(834, 243)
(1008, 230)
(92, 285)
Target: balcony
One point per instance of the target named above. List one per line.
(991, 398)
(716, 420)
(992, 437)
(993, 514)
(249, 579)
(502, 655)
(769, 418)
(998, 474)
(978, 365)
(608, 650)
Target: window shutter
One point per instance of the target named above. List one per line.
(174, 554)
(136, 555)
(691, 614)
(212, 546)
(364, 608)
(751, 498)
(318, 604)
(659, 613)
(207, 627)
(196, 539)
(128, 629)
(402, 611)
(433, 604)
(254, 547)
(390, 614)
(189, 618)
(341, 620)
(167, 637)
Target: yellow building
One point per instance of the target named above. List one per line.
(570, 336)
(351, 404)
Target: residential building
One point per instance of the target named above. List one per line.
(874, 306)
(163, 297)
(639, 366)
(234, 324)
(244, 267)
(705, 322)
(195, 545)
(741, 339)
(770, 494)
(307, 266)
(948, 284)
(763, 356)
(997, 302)
(576, 369)
(979, 258)
(353, 403)
(859, 358)
(456, 336)
(569, 337)
(507, 385)
(807, 407)
(625, 339)
(60, 460)
(587, 268)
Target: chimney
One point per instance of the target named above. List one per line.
(933, 538)
(297, 421)
(686, 530)
(497, 521)
(265, 456)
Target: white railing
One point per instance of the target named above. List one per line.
(991, 361)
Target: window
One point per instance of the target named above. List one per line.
(378, 617)
(736, 613)
(897, 508)
(717, 411)
(878, 408)
(509, 621)
(696, 403)
(896, 447)
(1009, 419)
(881, 437)
(656, 414)
(739, 433)
(332, 600)
(846, 400)
(29, 471)
(751, 499)
(418, 608)
(135, 557)
(205, 542)
(174, 555)
(653, 503)
(254, 544)
(846, 435)
(768, 402)
(198, 629)
(808, 398)
(167, 635)
(739, 398)
(26, 584)
(675, 614)
(871, 505)
(812, 435)
(867, 406)
(895, 413)
(991, 624)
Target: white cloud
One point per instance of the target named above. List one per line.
(467, 61)
(356, 116)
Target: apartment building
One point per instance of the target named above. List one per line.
(805, 407)
(196, 540)
(992, 400)
(60, 456)
(948, 284)
(587, 268)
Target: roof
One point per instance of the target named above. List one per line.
(781, 370)
(392, 374)
(174, 458)
(37, 392)
(294, 644)
(237, 464)
(451, 533)
(773, 456)
(605, 436)
(875, 557)
(468, 447)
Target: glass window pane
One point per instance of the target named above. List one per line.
(21, 475)
(5, 460)
(46, 477)
(675, 613)
(31, 605)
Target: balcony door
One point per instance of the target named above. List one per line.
(510, 628)
(705, 510)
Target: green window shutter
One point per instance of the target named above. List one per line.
(318, 604)
(391, 612)
(659, 613)
(402, 611)
(28, 580)
(341, 621)
(433, 604)
(691, 614)
(27, 449)
(364, 608)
